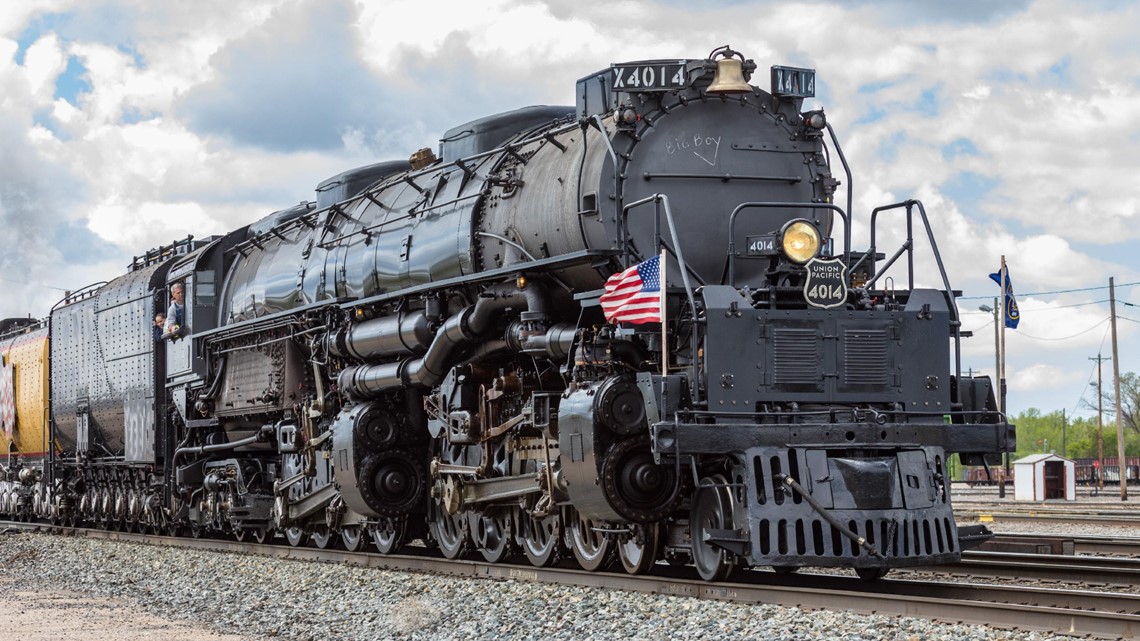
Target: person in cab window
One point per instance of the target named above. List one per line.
(159, 325)
(176, 314)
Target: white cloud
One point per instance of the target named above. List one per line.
(1045, 378)
(1039, 101)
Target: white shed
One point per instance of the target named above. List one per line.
(1040, 477)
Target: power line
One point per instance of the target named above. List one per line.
(1049, 309)
(1059, 291)
(1088, 384)
(1064, 338)
(22, 282)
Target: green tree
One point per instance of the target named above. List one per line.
(1075, 437)
(1040, 433)
(1129, 401)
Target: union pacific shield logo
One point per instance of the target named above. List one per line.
(826, 284)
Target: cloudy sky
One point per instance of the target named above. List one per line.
(125, 124)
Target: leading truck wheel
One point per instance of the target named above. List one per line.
(712, 510)
(639, 551)
(591, 547)
(390, 536)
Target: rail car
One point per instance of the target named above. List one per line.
(23, 416)
(1084, 470)
(634, 327)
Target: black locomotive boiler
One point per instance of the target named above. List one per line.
(428, 352)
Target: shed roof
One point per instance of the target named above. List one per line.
(1037, 458)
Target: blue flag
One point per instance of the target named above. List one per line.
(1012, 316)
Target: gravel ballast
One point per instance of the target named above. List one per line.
(262, 598)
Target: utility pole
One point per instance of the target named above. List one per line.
(1099, 420)
(999, 373)
(1116, 391)
(1064, 438)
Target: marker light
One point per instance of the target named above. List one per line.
(815, 119)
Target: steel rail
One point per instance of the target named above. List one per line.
(1046, 567)
(1131, 520)
(1088, 544)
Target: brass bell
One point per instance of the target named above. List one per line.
(730, 72)
(422, 158)
(729, 77)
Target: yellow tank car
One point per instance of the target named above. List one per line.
(23, 417)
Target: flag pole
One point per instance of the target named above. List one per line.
(664, 324)
(1001, 390)
(1004, 315)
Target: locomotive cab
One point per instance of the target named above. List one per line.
(197, 273)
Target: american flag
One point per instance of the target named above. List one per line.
(634, 295)
(7, 401)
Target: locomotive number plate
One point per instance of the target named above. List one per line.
(793, 81)
(762, 245)
(649, 76)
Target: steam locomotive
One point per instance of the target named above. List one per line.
(624, 329)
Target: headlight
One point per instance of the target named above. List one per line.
(800, 241)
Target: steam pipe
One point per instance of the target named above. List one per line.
(460, 330)
(221, 447)
(405, 333)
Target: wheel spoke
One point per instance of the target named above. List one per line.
(352, 536)
(295, 536)
(449, 531)
(540, 539)
(492, 534)
(323, 538)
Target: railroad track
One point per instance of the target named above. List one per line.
(1087, 570)
(1126, 546)
(1112, 517)
(1066, 611)
(1082, 544)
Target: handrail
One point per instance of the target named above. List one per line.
(908, 247)
(309, 219)
(773, 205)
(78, 295)
(846, 167)
(662, 201)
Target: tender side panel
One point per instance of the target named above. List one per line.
(103, 380)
